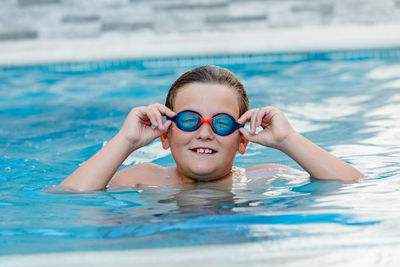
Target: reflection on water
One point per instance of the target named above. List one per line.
(201, 199)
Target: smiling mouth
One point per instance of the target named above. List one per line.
(203, 150)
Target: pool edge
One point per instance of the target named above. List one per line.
(332, 254)
(130, 47)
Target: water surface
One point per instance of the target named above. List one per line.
(53, 120)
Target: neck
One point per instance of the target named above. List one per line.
(182, 178)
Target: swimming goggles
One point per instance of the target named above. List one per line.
(189, 121)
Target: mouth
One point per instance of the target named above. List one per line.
(203, 150)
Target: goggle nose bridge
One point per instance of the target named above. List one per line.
(203, 120)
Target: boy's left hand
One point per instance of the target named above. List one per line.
(276, 128)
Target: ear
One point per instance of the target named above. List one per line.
(243, 144)
(164, 141)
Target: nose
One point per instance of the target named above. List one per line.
(205, 132)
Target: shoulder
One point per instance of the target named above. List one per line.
(141, 174)
(263, 170)
(267, 166)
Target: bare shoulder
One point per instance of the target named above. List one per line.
(142, 174)
(268, 170)
(268, 166)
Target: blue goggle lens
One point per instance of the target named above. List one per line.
(187, 121)
(225, 125)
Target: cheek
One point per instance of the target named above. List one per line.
(231, 142)
(177, 136)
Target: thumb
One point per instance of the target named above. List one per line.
(246, 133)
(161, 129)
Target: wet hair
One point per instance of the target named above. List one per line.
(213, 75)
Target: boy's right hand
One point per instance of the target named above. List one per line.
(137, 129)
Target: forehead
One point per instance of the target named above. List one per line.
(208, 99)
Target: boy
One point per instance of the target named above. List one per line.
(206, 109)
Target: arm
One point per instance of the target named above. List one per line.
(278, 133)
(136, 132)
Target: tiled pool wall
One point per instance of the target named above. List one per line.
(64, 19)
(192, 61)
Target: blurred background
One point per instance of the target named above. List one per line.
(65, 19)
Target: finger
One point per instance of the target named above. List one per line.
(156, 112)
(157, 132)
(168, 112)
(264, 113)
(167, 124)
(141, 113)
(152, 117)
(253, 125)
(158, 118)
(164, 110)
(245, 117)
(246, 133)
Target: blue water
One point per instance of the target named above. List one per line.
(53, 119)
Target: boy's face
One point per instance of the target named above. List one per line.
(208, 100)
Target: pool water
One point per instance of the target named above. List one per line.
(53, 119)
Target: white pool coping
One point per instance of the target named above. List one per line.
(335, 38)
(286, 253)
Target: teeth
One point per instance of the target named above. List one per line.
(204, 150)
